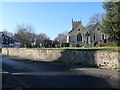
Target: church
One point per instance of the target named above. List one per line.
(82, 36)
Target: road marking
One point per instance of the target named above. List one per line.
(44, 73)
(5, 72)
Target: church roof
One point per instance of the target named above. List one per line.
(94, 27)
(73, 29)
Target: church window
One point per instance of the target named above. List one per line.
(103, 37)
(98, 29)
(94, 37)
(78, 29)
(79, 37)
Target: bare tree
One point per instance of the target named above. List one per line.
(62, 37)
(98, 17)
(40, 39)
(24, 34)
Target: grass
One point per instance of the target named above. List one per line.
(81, 48)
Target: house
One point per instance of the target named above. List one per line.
(16, 44)
(7, 41)
(81, 36)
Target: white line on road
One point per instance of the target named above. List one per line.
(44, 73)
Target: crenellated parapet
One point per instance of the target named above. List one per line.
(75, 23)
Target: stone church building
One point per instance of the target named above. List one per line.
(81, 36)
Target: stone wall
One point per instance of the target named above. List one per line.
(101, 58)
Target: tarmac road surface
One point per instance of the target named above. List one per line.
(54, 75)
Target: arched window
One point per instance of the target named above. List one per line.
(79, 37)
(103, 36)
(94, 37)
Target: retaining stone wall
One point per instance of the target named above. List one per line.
(107, 59)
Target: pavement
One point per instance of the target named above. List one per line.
(21, 73)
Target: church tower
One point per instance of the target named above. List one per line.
(75, 23)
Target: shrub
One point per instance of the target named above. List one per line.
(105, 44)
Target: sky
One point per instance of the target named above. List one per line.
(50, 18)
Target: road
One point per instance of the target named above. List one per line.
(55, 75)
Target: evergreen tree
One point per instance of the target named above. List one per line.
(112, 20)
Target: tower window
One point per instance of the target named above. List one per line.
(78, 29)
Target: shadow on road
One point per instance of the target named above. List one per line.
(61, 81)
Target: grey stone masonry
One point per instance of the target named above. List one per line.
(107, 59)
(82, 36)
